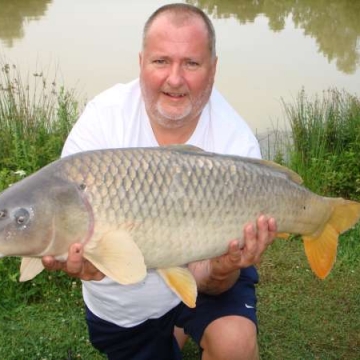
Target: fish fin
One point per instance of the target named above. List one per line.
(29, 268)
(281, 169)
(291, 174)
(321, 251)
(282, 236)
(186, 148)
(182, 283)
(321, 248)
(346, 214)
(117, 256)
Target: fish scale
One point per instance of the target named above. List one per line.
(189, 205)
(182, 192)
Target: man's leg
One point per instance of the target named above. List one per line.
(230, 338)
(152, 339)
(180, 336)
(224, 326)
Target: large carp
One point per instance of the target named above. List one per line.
(161, 208)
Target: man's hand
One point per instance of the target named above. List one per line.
(256, 239)
(219, 274)
(75, 265)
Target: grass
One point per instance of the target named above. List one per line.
(300, 317)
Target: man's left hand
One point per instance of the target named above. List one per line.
(255, 241)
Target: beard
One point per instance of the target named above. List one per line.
(174, 118)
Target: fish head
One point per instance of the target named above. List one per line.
(42, 215)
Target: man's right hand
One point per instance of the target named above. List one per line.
(75, 265)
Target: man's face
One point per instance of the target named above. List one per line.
(176, 71)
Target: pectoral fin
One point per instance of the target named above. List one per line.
(181, 281)
(30, 267)
(117, 256)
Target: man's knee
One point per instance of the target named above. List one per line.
(230, 338)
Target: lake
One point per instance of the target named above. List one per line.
(268, 50)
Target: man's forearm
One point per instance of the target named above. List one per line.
(210, 279)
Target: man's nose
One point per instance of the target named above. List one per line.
(175, 78)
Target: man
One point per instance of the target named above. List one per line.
(173, 102)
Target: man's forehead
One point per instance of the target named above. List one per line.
(175, 20)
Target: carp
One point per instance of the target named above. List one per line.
(161, 208)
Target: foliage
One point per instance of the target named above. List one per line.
(35, 119)
(325, 141)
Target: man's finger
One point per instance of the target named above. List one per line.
(51, 264)
(74, 263)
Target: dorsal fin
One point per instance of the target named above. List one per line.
(290, 174)
(283, 169)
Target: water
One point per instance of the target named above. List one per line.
(268, 50)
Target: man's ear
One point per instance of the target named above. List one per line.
(215, 64)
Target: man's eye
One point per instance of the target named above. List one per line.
(159, 62)
(192, 64)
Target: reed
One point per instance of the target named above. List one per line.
(36, 115)
(325, 141)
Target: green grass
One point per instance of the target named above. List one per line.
(300, 316)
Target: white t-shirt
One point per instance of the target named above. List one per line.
(115, 119)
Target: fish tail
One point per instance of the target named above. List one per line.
(321, 248)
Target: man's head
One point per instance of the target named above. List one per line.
(177, 65)
(180, 14)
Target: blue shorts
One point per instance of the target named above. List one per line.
(154, 338)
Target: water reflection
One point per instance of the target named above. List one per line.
(14, 13)
(334, 24)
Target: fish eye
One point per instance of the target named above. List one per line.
(3, 214)
(22, 217)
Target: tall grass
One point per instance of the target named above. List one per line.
(35, 117)
(325, 134)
